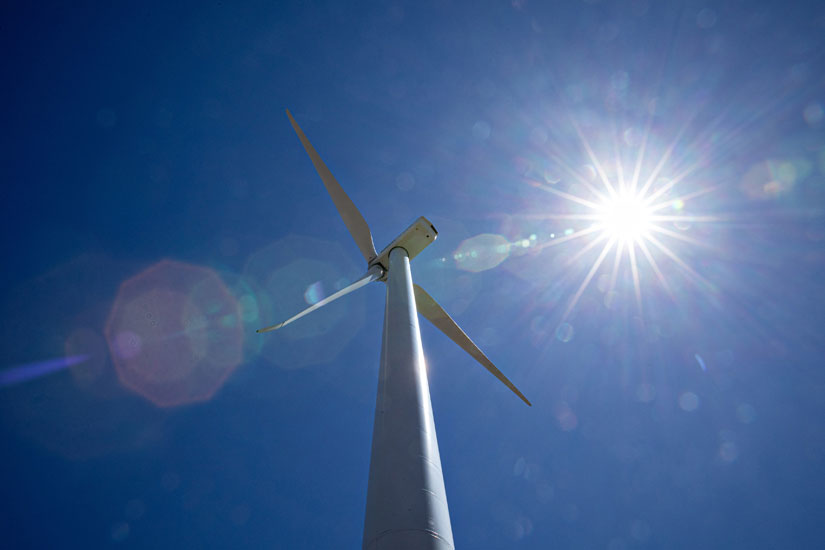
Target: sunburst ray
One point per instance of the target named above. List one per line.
(588, 277)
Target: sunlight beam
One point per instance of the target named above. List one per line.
(586, 249)
(588, 278)
(568, 196)
(592, 156)
(655, 267)
(681, 237)
(634, 269)
(683, 198)
(567, 238)
(681, 263)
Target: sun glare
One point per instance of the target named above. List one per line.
(629, 222)
(625, 217)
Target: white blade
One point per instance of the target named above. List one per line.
(353, 219)
(373, 274)
(434, 313)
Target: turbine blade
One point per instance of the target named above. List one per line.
(430, 309)
(373, 274)
(353, 219)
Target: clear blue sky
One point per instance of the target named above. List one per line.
(155, 195)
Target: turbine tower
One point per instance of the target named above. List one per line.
(406, 500)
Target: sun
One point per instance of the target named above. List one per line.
(633, 219)
(625, 217)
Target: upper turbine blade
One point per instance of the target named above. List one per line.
(353, 219)
(430, 309)
(373, 274)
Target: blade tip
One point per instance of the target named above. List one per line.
(521, 396)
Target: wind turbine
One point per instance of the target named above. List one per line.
(406, 500)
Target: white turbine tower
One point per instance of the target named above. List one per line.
(406, 501)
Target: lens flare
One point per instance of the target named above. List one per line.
(174, 333)
(23, 373)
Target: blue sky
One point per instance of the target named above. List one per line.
(158, 208)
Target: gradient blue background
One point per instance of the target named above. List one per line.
(133, 134)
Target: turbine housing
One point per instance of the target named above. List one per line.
(414, 239)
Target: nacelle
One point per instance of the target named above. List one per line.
(414, 239)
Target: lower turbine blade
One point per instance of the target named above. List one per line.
(373, 274)
(434, 313)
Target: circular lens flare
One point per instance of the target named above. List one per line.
(625, 217)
